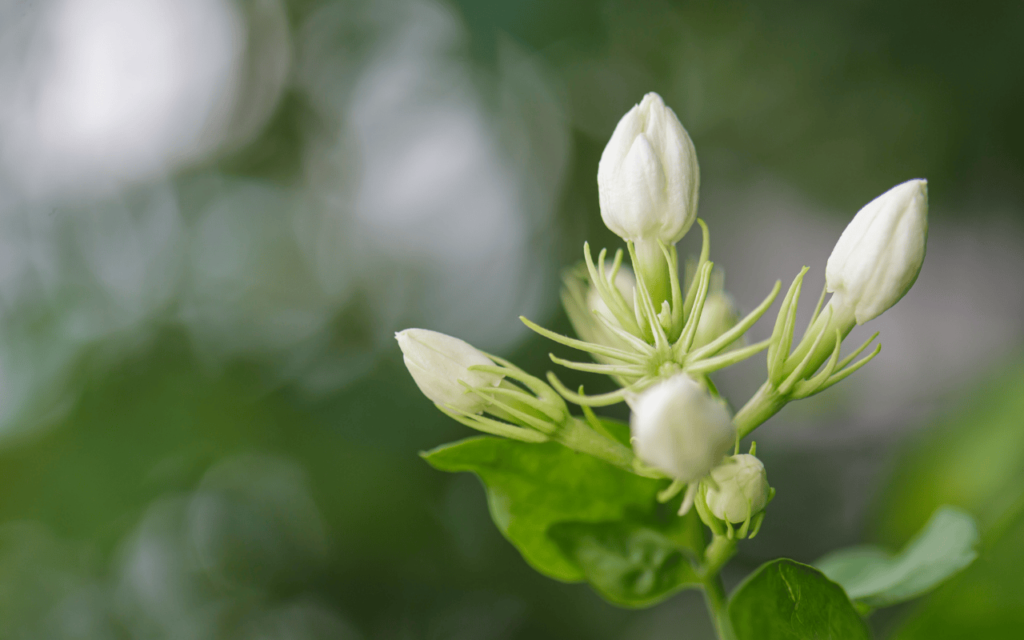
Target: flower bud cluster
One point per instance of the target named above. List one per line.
(475, 389)
(873, 265)
(660, 341)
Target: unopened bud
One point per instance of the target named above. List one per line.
(680, 429)
(439, 365)
(647, 183)
(648, 175)
(739, 489)
(879, 255)
(625, 282)
(718, 316)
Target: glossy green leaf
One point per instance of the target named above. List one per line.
(533, 486)
(631, 563)
(874, 578)
(786, 600)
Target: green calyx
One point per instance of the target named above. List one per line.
(531, 411)
(641, 341)
(731, 500)
(810, 368)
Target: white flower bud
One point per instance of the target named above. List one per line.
(648, 177)
(625, 282)
(680, 429)
(718, 316)
(438, 362)
(880, 253)
(581, 299)
(742, 489)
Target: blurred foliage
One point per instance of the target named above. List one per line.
(872, 577)
(974, 459)
(839, 99)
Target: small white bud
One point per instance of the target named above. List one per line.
(625, 282)
(742, 489)
(880, 253)
(680, 429)
(718, 316)
(648, 178)
(581, 299)
(438, 362)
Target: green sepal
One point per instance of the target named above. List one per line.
(735, 333)
(644, 308)
(703, 283)
(705, 254)
(607, 290)
(782, 334)
(676, 293)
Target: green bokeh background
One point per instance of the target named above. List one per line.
(836, 100)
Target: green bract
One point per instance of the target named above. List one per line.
(585, 498)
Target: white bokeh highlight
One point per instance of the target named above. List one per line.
(99, 94)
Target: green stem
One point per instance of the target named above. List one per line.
(576, 435)
(655, 271)
(718, 552)
(763, 405)
(714, 598)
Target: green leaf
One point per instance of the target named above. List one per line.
(974, 459)
(786, 600)
(982, 602)
(873, 577)
(533, 486)
(631, 563)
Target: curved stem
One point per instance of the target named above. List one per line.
(714, 598)
(763, 405)
(718, 552)
(576, 435)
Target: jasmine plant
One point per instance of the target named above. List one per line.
(643, 510)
